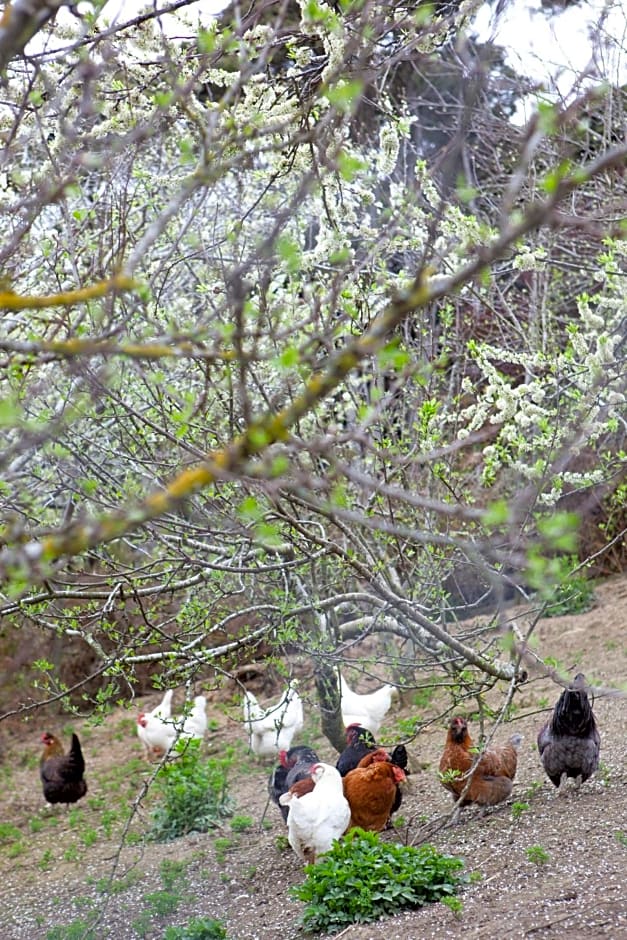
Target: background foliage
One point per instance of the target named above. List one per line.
(303, 341)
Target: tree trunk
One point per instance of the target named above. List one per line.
(328, 689)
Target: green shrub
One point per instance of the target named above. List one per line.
(574, 593)
(362, 879)
(193, 793)
(199, 928)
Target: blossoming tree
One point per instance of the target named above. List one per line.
(276, 366)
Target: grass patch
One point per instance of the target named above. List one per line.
(166, 901)
(118, 885)
(241, 823)
(9, 833)
(75, 930)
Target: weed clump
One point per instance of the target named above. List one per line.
(193, 795)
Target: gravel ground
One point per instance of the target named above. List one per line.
(55, 863)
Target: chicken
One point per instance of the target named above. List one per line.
(294, 765)
(492, 778)
(359, 742)
(195, 722)
(569, 742)
(399, 756)
(316, 818)
(62, 775)
(156, 729)
(272, 729)
(371, 790)
(367, 710)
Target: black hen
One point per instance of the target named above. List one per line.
(62, 774)
(359, 742)
(294, 765)
(398, 756)
(569, 743)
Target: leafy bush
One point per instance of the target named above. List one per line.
(193, 793)
(361, 879)
(199, 928)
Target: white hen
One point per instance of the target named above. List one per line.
(272, 729)
(156, 729)
(367, 710)
(319, 817)
(195, 723)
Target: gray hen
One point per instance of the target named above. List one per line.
(569, 742)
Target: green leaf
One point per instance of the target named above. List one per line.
(350, 165)
(289, 358)
(554, 177)
(163, 99)
(206, 40)
(393, 356)
(547, 117)
(290, 253)
(496, 514)
(344, 95)
(279, 466)
(250, 510)
(560, 530)
(269, 534)
(10, 412)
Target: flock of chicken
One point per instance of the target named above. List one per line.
(320, 802)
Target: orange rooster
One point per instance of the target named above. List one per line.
(371, 790)
(491, 780)
(62, 774)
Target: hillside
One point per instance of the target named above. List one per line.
(57, 863)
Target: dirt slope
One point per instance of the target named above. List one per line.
(55, 863)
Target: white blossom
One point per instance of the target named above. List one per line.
(389, 146)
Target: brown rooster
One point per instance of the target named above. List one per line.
(62, 774)
(491, 780)
(371, 790)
